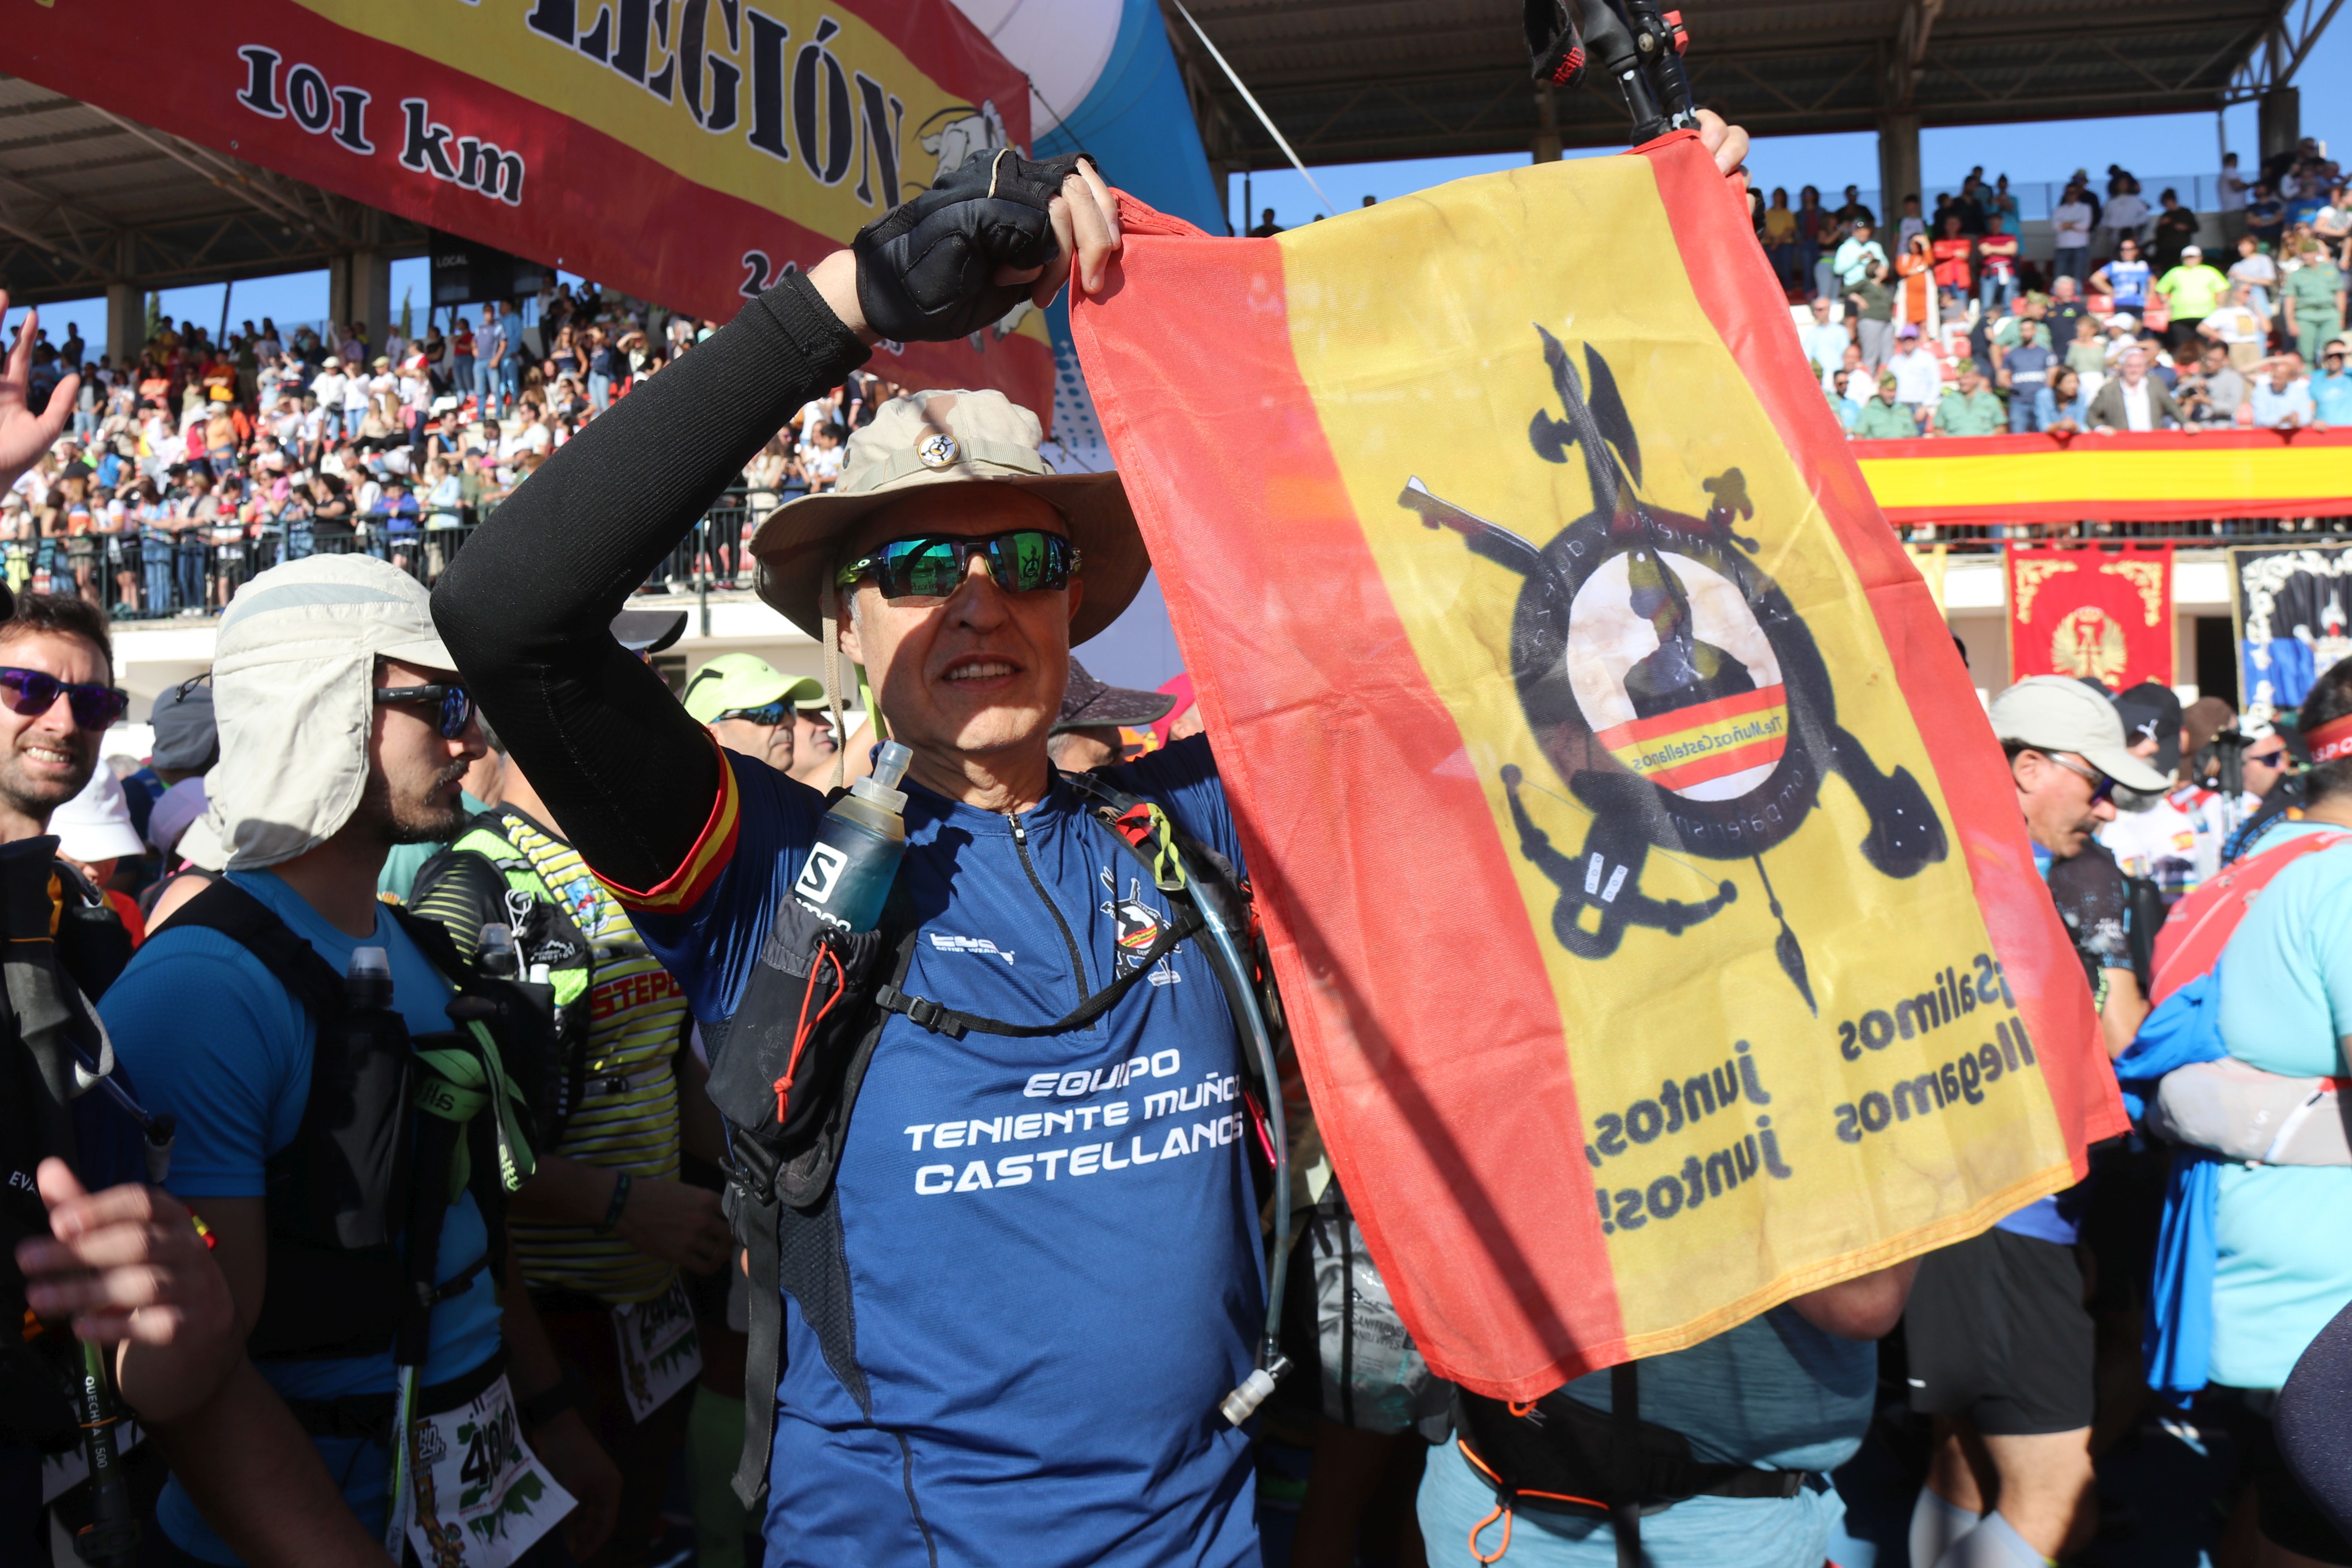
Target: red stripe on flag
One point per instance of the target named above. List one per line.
(1376, 838)
(1752, 319)
(1694, 718)
(1720, 765)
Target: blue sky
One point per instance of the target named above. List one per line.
(2153, 147)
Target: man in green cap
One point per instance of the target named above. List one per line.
(1968, 408)
(1882, 418)
(748, 705)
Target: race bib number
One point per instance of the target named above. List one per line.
(660, 1350)
(481, 1496)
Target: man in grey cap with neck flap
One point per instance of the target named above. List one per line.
(344, 731)
(1019, 1293)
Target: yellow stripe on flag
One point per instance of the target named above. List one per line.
(2083, 473)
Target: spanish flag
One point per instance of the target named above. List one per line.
(1657, 928)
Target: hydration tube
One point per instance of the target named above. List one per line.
(1241, 1402)
(395, 1515)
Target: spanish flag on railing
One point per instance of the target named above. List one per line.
(1658, 928)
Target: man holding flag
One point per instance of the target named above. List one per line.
(1074, 1338)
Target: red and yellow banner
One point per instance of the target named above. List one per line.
(686, 151)
(2102, 612)
(2167, 478)
(1650, 963)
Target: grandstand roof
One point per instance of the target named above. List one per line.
(1371, 79)
(87, 197)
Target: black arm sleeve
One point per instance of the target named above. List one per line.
(526, 606)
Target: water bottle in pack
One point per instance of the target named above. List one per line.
(859, 846)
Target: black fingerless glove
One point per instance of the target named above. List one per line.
(924, 268)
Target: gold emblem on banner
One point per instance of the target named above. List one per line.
(2146, 578)
(2089, 642)
(2031, 576)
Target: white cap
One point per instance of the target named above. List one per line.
(2059, 714)
(180, 804)
(95, 824)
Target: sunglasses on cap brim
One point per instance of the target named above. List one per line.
(933, 567)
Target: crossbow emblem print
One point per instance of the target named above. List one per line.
(1672, 686)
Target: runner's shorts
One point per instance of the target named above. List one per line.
(1997, 1332)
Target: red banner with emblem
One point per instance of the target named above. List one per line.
(2106, 614)
(686, 151)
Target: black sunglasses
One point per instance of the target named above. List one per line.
(933, 567)
(456, 702)
(769, 713)
(2103, 786)
(34, 693)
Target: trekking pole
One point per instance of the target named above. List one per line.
(111, 1538)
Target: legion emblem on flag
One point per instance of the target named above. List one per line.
(1672, 686)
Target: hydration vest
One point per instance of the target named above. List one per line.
(619, 1019)
(356, 1201)
(787, 1065)
(53, 1050)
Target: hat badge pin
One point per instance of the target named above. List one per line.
(938, 450)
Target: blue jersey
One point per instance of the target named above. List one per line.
(1052, 1244)
(2130, 280)
(216, 1040)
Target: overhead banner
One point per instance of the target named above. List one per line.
(2090, 612)
(1649, 962)
(686, 151)
(2152, 478)
(2290, 605)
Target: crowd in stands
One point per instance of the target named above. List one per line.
(192, 464)
(1943, 327)
(379, 1291)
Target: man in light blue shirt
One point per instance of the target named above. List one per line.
(2331, 389)
(1858, 254)
(2282, 400)
(2282, 1233)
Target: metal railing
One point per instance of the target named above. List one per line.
(154, 574)
(1973, 538)
(2037, 198)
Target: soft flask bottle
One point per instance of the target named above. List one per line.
(858, 843)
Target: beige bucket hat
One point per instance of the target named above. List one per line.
(942, 439)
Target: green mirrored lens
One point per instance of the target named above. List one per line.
(1027, 551)
(931, 571)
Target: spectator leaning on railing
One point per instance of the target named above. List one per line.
(2281, 399)
(2212, 396)
(1883, 418)
(1968, 407)
(2134, 400)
